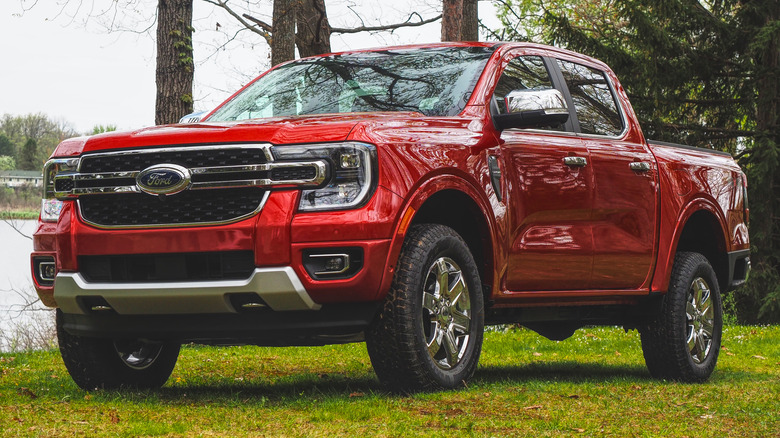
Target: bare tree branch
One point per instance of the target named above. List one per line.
(263, 25)
(26, 326)
(407, 23)
(489, 32)
(352, 9)
(259, 29)
(16, 228)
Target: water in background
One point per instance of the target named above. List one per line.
(15, 248)
(16, 287)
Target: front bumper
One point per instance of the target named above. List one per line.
(278, 239)
(278, 288)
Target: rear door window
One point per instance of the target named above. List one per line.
(597, 109)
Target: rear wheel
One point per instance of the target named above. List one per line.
(428, 335)
(683, 342)
(96, 363)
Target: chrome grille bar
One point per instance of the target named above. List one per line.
(72, 185)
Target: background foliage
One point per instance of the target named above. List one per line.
(31, 138)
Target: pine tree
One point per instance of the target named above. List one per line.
(704, 73)
(6, 146)
(28, 156)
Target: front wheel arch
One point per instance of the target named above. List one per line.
(460, 207)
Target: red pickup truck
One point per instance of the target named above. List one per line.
(405, 196)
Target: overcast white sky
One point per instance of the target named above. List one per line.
(86, 76)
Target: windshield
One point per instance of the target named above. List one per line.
(435, 82)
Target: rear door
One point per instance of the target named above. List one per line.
(624, 175)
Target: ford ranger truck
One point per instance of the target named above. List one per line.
(404, 196)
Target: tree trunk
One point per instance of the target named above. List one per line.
(313, 37)
(174, 61)
(283, 35)
(469, 30)
(451, 19)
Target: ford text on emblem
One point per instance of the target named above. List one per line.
(163, 179)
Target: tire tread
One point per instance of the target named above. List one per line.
(94, 364)
(392, 345)
(663, 340)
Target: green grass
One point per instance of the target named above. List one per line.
(19, 214)
(593, 384)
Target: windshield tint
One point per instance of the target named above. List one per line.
(435, 82)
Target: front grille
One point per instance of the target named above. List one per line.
(64, 185)
(188, 207)
(189, 158)
(147, 268)
(115, 201)
(293, 173)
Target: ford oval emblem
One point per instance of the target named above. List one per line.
(163, 179)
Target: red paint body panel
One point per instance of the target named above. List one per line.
(624, 215)
(550, 244)
(374, 221)
(602, 234)
(362, 287)
(694, 181)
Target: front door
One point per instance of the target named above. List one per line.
(549, 189)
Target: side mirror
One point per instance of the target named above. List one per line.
(193, 118)
(533, 108)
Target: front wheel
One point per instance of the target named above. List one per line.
(428, 334)
(683, 342)
(96, 363)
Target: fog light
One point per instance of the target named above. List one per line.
(333, 263)
(47, 270)
(44, 270)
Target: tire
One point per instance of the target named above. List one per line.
(683, 342)
(423, 339)
(96, 363)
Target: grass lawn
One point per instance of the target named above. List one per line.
(19, 214)
(593, 384)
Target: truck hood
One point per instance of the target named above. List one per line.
(276, 130)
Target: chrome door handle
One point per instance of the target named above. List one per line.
(575, 161)
(639, 166)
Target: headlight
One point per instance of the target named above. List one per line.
(351, 178)
(50, 206)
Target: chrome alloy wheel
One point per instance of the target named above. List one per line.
(138, 355)
(700, 317)
(446, 313)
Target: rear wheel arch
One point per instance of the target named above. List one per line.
(702, 231)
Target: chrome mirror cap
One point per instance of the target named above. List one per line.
(549, 100)
(533, 108)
